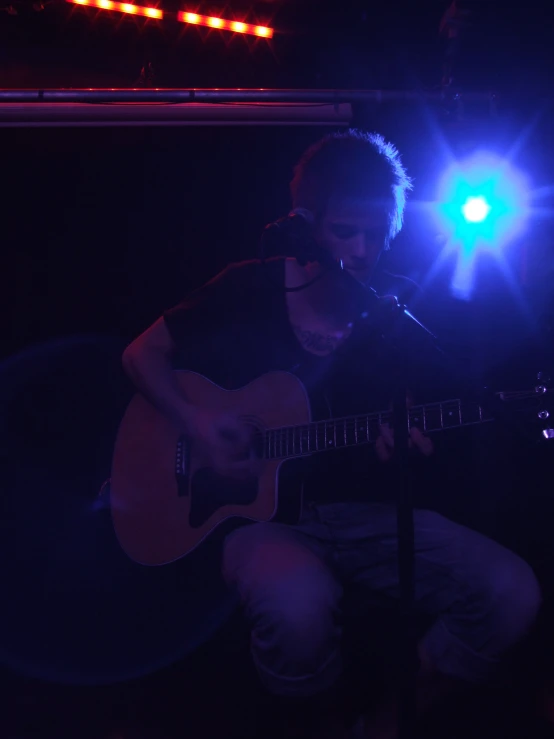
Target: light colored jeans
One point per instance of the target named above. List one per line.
(289, 578)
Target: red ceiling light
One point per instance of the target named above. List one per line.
(223, 24)
(121, 7)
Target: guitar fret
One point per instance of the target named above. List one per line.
(295, 441)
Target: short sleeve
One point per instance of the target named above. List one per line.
(211, 308)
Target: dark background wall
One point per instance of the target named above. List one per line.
(318, 43)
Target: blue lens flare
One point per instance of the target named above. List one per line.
(482, 205)
(482, 200)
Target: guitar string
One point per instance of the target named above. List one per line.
(314, 435)
(283, 447)
(457, 405)
(413, 414)
(276, 440)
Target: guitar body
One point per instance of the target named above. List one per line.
(165, 501)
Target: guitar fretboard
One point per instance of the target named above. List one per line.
(338, 433)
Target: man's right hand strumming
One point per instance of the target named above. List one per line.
(223, 440)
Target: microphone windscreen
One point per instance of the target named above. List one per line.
(304, 213)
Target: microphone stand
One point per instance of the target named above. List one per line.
(409, 663)
(398, 317)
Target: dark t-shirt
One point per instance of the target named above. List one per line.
(236, 328)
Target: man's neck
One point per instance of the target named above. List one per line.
(328, 298)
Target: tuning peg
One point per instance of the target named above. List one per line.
(548, 433)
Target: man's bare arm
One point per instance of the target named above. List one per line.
(147, 361)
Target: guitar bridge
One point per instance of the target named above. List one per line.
(182, 465)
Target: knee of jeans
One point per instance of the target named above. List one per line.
(515, 596)
(290, 598)
(299, 615)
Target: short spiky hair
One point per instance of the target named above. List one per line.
(352, 165)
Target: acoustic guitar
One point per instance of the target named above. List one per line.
(166, 501)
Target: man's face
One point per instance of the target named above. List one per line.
(354, 233)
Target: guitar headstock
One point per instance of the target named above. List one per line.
(535, 403)
(543, 388)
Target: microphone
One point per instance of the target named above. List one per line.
(292, 236)
(376, 309)
(388, 314)
(299, 219)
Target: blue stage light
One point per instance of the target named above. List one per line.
(476, 209)
(482, 204)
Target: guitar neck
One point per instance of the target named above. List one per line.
(337, 433)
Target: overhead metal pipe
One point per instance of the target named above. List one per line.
(191, 95)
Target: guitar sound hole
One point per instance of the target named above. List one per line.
(210, 491)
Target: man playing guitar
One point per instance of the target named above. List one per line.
(300, 317)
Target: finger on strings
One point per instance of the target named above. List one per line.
(422, 442)
(387, 435)
(384, 452)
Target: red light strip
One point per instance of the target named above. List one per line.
(224, 25)
(121, 7)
